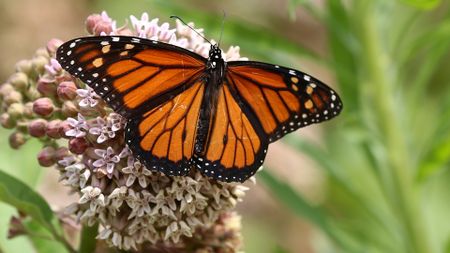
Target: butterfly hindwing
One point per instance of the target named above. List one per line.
(236, 148)
(163, 138)
(127, 72)
(283, 100)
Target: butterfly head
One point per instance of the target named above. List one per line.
(215, 52)
(215, 56)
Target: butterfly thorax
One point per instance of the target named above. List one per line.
(214, 79)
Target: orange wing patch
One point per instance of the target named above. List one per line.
(156, 85)
(273, 102)
(131, 74)
(282, 100)
(266, 78)
(168, 131)
(233, 142)
(168, 58)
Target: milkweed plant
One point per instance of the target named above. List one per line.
(132, 207)
(386, 158)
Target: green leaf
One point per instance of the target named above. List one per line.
(299, 206)
(438, 158)
(19, 195)
(25, 199)
(42, 239)
(279, 249)
(307, 4)
(28, 171)
(423, 4)
(293, 200)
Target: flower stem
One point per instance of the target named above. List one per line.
(403, 193)
(88, 240)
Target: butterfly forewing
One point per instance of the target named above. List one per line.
(282, 99)
(128, 72)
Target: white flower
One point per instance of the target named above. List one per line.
(66, 161)
(94, 196)
(105, 129)
(139, 203)
(135, 170)
(116, 199)
(164, 33)
(79, 127)
(144, 28)
(76, 175)
(164, 203)
(88, 97)
(233, 54)
(175, 230)
(108, 159)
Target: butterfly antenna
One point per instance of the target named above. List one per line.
(221, 30)
(182, 21)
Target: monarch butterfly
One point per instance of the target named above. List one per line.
(185, 111)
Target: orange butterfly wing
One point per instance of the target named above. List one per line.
(131, 74)
(163, 138)
(158, 87)
(258, 104)
(283, 100)
(236, 148)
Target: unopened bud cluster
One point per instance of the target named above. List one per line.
(84, 140)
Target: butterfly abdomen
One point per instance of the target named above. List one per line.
(213, 83)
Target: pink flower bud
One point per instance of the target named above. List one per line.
(28, 110)
(67, 90)
(32, 93)
(53, 129)
(24, 66)
(19, 80)
(16, 140)
(96, 24)
(46, 157)
(69, 109)
(78, 145)
(37, 128)
(61, 152)
(53, 45)
(16, 227)
(5, 89)
(46, 87)
(6, 121)
(42, 52)
(13, 97)
(16, 110)
(64, 127)
(39, 63)
(43, 107)
(91, 22)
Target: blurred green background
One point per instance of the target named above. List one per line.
(375, 179)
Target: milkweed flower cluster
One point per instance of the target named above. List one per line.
(84, 140)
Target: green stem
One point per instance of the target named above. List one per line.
(62, 240)
(389, 122)
(88, 240)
